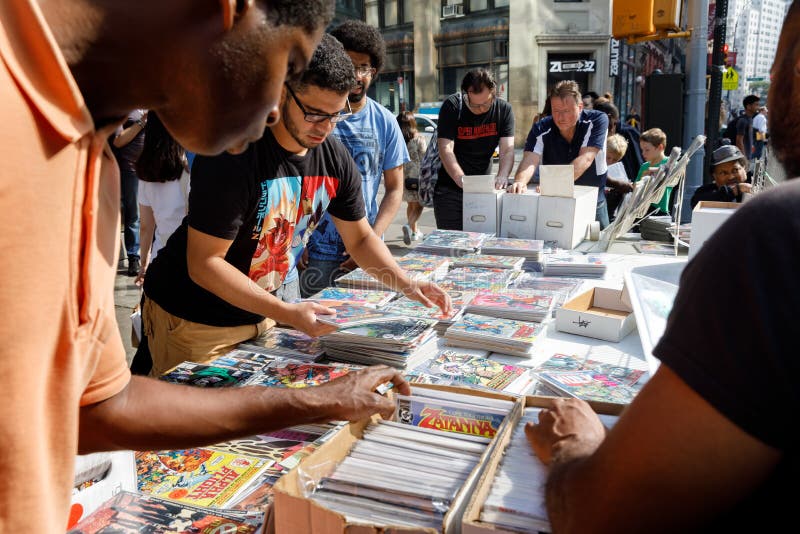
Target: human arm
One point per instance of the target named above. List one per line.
(147, 227)
(506, 163)
(525, 171)
(585, 159)
(208, 268)
(151, 414)
(129, 133)
(372, 255)
(624, 186)
(671, 462)
(449, 162)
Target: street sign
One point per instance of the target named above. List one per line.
(578, 65)
(755, 79)
(730, 80)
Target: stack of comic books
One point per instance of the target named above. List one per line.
(532, 249)
(346, 315)
(588, 385)
(245, 360)
(452, 242)
(286, 342)
(488, 261)
(371, 298)
(198, 476)
(521, 304)
(402, 343)
(562, 288)
(476, 279)
(207, 376)
(453, 368)
(129, 512)
(432, 266)
(584, 266)
(628, 376)
(505, 336)
(411, 308)
(360, 279)
(292, 374)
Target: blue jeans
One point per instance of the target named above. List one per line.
(601, 215)
(130, 212)
(318, 275)
(289, 291)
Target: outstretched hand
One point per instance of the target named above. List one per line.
(429, 294)
(568, 429)
(303, 317)
(353, 396)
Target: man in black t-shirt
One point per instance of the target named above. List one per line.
(471, 125)
(709, 444)
(250, 216)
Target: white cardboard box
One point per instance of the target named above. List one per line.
(482, 212)
(707, 216)
(479, 183)
(518, 219)
(601, 313)
(118, 472)
(565, 220)
(557, 180)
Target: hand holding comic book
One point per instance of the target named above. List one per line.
(303, 317)
(354, 396)
(429, 294)
(569, 429)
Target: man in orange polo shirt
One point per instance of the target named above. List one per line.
(69, 73)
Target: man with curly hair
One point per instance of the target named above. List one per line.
(210, 286)
(374, 140)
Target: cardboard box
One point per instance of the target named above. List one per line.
(482, 212)
(117, 471)
(295, 513)
(565, 220)
(707, 216)
(479, 183)
(601, 312)
(557, 180)
(518, 217)
(470, 523)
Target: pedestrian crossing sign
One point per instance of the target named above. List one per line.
(730, 79)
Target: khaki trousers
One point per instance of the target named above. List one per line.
(173, 340)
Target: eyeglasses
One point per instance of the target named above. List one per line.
(317, 118)
(484, 106)
(364, 71)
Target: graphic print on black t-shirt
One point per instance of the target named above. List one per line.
(288, 213)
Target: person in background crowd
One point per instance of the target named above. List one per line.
(634, 120)
(653, 143)
(588, 99)
(572, 135)
(760, 132)
(631, 157)
(127, 146)
(729, 170)
(707, 444)
(209, 289)
(65, 86)
(163, 172)
(373, 138)
(417, 146)
(616, 148)
(744, 126)
(471, 124)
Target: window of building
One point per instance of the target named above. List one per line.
(408, 10)
(478, 5)
(389, 13)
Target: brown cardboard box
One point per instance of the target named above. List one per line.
(470, 523)
(296, 514)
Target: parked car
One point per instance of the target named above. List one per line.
(426, 124)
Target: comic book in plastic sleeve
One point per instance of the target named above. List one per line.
(207, 376)
(371, 298)
(466, 370)
(589, 386)
(299, 374)
(491, 261)
(564, 362)
(448, 416)
(347, 314)
(199, 476)
(129, 512)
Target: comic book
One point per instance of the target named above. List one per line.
(286, 342)
(451, 242)
(565, 362)
(371, 298)
(243, 360)
(348, 315)
(206, 376)
(526, 248)
(475, 279)
(588, 385)
(585, 266)
(434, 267)
(506, 336)
(411, 308)
(521, 304)
(489, 261)
(453, 368)
(299, 374)
(132, 513)
(449, 416)
(200, 476)
(400, 332)
(360, 279)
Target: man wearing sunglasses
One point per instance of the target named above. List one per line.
(219, 279)
(471, 125)
(374, 140)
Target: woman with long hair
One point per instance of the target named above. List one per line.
(417, 145)
(163, 190)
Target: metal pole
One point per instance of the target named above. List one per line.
(693, 120)
(717, 62)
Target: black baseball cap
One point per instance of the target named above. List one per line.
(724, 154)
